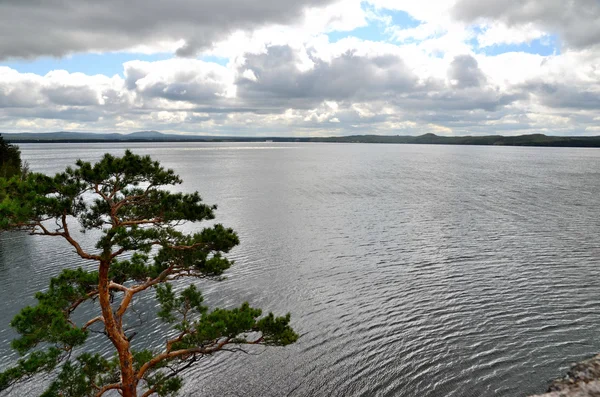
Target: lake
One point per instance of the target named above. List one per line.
(409, 270)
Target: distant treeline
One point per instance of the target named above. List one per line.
(498, 140)
(428, 139)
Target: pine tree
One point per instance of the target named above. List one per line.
(141, 250)
(10, 159)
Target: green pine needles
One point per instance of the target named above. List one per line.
(141, 249)
(10, 160)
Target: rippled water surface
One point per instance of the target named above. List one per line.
(409, 270)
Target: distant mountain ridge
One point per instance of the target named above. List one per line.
(88, 136)
(430, 139)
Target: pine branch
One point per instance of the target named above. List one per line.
(180, 353)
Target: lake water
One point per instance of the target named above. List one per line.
(409, 270)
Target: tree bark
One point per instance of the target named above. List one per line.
(116, 334)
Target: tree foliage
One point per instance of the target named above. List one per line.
(141, 249)
(10, 159)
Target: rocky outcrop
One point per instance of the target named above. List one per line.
(582, 380)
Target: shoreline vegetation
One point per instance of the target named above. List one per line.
(427, 139)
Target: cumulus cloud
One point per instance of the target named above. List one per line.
(346, 77)
(576, 21)
(284, 75)
(499, 33)
(30, 28)
(58, 88)
(348, 90)
(464, 72)
(60, 95)
(186, 80)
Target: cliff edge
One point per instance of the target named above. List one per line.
(582, 380)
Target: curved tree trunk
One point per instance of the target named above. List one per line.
(116, 334)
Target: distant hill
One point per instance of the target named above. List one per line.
(89, 136)
(429, 139)
(498, 140)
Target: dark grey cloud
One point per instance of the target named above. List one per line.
(464, 72)
(178, 80)
(565, 96)
(347, 77)
(72, 114)
(19, 94)
(71, 96)
(321, 93)
(195, 92)
(576, 21)
(33, 28)
(353, 78)
(487, 99)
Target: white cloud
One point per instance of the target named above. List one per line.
(577, 22)
(249, 74)
(61, 27)
(499, 33)
(186, 80)
(284, 76)
(436, 11)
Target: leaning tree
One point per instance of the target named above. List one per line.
(140, 248)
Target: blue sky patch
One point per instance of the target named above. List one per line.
(402, 19)
(376, 29)
(107, 64)
(544, 46)
(371, 33)
(214, 59)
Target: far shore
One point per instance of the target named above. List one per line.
(427, 139)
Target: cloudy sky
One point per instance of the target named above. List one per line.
(301, 67)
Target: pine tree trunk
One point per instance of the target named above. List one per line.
(116, 334)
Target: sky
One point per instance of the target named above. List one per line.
(301, 67)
